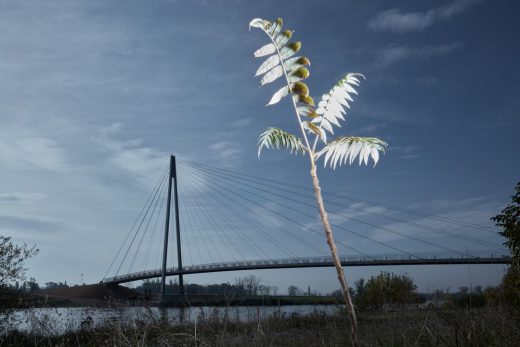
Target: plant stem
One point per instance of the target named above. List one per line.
(334, 252)
(321, 206)
(290, 93)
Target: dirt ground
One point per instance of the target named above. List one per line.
(97, 294)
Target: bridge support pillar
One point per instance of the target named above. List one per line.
(172, 178)
(177, 227)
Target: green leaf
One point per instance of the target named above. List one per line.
(283, 38)
(281, 93)
(293, 64)
(270, 48)
(272, 75)
(346, 148)
(290, 49)
(332, 106)
(276, 137)
(258, 23)
(268, 64)
(276, 27)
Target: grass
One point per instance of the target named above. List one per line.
(435, 327)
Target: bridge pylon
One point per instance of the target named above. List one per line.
(172, 179)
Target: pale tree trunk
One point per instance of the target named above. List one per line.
(334, 252)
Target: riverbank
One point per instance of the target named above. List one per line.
(434, 327)
(100, 295)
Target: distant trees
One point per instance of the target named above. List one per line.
(251, 284)
(293, 291)
(52, 285)
(385, 288)
(31, 285)
(12, 260)
(243, 286)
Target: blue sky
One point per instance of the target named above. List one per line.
(96, 94)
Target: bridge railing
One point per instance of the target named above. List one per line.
(321, 259)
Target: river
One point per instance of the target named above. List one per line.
(54, 321)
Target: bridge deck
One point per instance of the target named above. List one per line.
(288, 263)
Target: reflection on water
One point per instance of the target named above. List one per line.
(51, 321)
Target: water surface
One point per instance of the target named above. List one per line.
(52, 321)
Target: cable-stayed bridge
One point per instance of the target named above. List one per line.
(230, 221)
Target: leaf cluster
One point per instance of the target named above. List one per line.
(386, 288)
(314, 120)
(509, 221)
(12, 260)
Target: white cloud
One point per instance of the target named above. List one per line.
(227, 151)
(129, 156)
(369, 129)
(20, 198)
(389, 112)
(394, 54)
(430, 222)
(31, 151)
(400, 22)
(405, 152)
(23, 224)
(240, 123)
(416, 81)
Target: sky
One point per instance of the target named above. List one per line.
(95, 96)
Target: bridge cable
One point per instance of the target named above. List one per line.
(185, 200)
(308, 244)
(139, 227)
(259, 251)
(203, 227)
(135, 222)
(187, 249)
(349, 197)
(153, 235)
(351, 218)
(313, 217)
(138, 248)
(214, 207)
(187, 229)
(266, 236)
(194, 226)
(217, 228)
(208, 221)
(273, 241)
(428, 228)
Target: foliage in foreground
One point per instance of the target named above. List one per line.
(459, 327)
(12, 260)
(509, 222)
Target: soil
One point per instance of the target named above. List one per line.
(91, 294)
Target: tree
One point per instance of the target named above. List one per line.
(251, 285)
(32, 285)
(386, 288)
(463, 290)
(12, 260)
(509, 221)
(314, 123)
(510, 285)
(293, 291)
